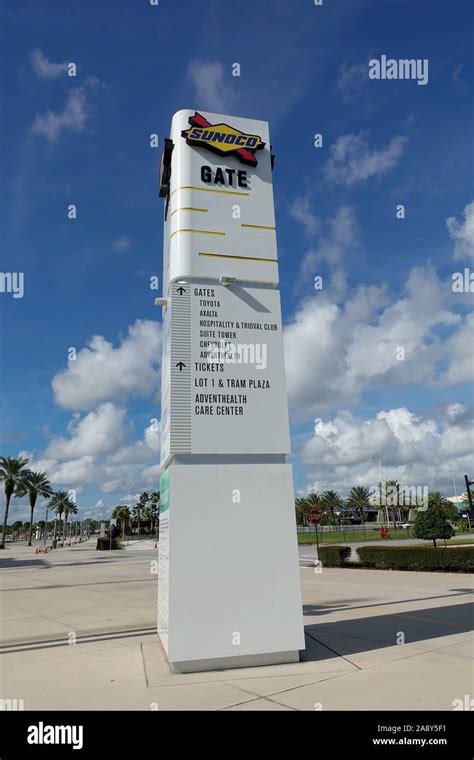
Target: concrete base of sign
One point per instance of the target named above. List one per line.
(228, 588)
(225, 663)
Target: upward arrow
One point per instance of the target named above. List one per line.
(180, 366)
(181, 290)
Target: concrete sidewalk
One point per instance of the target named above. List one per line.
(78, 627)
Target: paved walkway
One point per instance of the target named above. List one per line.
(78, 627)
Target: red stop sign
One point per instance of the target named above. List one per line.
(315, 517)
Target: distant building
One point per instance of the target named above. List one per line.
(461, 502)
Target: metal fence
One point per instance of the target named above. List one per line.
(340, 528)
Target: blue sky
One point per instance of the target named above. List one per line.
(84, 140)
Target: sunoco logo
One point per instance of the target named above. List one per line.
(222, 139)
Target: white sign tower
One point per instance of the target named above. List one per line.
(228, 585)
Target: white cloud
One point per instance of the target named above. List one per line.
(99, 432)
(459, 354)
(99, 451)
(76, 473)
(44, 68)
(333, 351)
(332, 239)
(211, 85)
(153, 435)
(72, 118)
(457, 77)
(98, 454)
(151, 476)
(129, 500)
(301, 210)
(101, 372)
(406, 324)
(352, 160)
(351, 80)
(462, 232)
(415, 449)
(122, 243)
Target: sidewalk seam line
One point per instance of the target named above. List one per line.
(333, 651)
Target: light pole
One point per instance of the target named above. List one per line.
(46, 525)
(54, 531)
(385, 493)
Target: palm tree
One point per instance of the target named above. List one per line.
(436, 499)
(358, 498)
(151, 513)
(58, 503)
(154, 510)
(330, 501)
(34, 484)
(122, 514)
(304, 505)
(390, 496)
(139, 507)
(69, 509)
(313, 500)
(393, 489)
(301, 509)
(12, 472)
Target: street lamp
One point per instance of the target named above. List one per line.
(46, 524)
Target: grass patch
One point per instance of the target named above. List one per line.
(370, 535)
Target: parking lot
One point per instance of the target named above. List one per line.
(78, 632)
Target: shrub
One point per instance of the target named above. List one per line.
(334, 556)
(103, 543)
(432, 524)
(457, 558)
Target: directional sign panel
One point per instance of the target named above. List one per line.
(227, 377)
(224, 410)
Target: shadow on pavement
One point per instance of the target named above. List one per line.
(17, 563)
(321, 609)
(366, 634)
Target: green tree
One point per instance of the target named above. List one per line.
(313, 500)
(33, 485)
(69, 509)
(389, 492)
(300, 510)
(358, 498)
(152, 511)
(139, 507)
(331, 501)
(304, 505)
(58, 503)
(122, 514)
(436, 499)
(12, 473)
(16, 528)
(432, 524)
